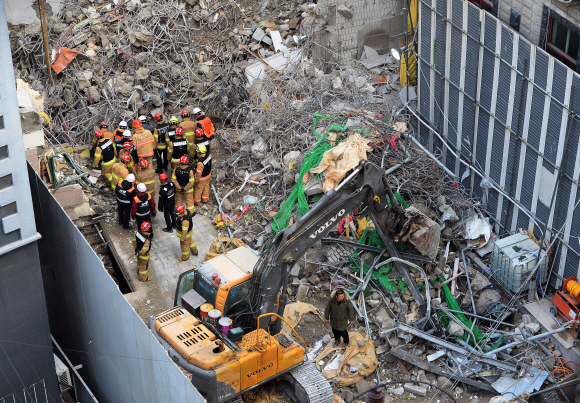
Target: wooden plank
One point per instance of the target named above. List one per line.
(427, 366)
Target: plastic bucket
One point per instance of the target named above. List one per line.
(225, 324)
(214, 316)
(204, 310)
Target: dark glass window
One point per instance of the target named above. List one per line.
(483, 4)
(562, 43)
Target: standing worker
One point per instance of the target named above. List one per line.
(183, 178)
(162, 139)
(142, 246)
(144, 142)
(340, 313)
(130, 150)
(106, 154)
(147, 176)
(104, 126)
(184, 232)
(119, 135)
(201, 140)
(202, 175)
(173, 124)
(166, 204)
(205, 122)
(125, 192)
(143, 206)
(188, 127)
(120, 171)
(146, 126)
(177, 148)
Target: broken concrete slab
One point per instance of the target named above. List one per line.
(261, 36)
(344, 10)
(69, 196)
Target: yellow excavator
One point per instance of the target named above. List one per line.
(250, 290)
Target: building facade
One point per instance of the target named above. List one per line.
(27, 366)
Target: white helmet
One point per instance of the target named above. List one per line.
(130, 178)
(196, 111)
(127, 133)
(123, 124)
(142, 188)
(143, 119)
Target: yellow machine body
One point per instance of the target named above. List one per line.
(260, 357)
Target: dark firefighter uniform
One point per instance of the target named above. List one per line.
(143, 208)
(125, 192)
(183, 178)
(184, 232)
(161, 135)
(166, 204)
(142, 246)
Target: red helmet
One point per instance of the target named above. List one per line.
(199, 132)
(127, 145)
(158, 116)
(146, 226)
(184, 113)
(144, 163)
(104, 124)
(99, 134)
(184, 160)
(179, 131)
(126, 159)
(137, 123)
(163, 178)
(180, 209)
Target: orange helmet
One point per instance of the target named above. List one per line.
(184, 160)
(146, 226)
(137, 123)
(127, 145)
(126, 159)
(199, 132)
(185, 113)
(144, 163)
(180, 209)
(163, 178)
(99, 134)
(158, 117)
(179, 131)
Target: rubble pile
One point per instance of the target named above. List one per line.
(120, 60)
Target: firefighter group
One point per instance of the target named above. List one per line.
(126, 160)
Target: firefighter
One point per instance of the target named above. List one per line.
(183, 178)
(184, 232)
(202, 175)
(147, 176)
(160, 133)
(142, 246)
(129, 149)
(146, 126)
(173, 124)
(166, 203)
(106, 154)
(188, 127)
(200, 139)
(119, 135)
(104, 127)
(120, 171)
(205, 122)
(143, 206)
(125, 192)
(144, 142)
(177, 148)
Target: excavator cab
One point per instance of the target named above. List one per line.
(234, 269)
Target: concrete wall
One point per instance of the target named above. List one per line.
(92, 321)
(340, 34)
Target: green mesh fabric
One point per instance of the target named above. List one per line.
(312, 158)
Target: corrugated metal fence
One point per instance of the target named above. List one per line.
(508, 110)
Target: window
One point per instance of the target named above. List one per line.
(486, 5)
(562, 43)
(237, 299)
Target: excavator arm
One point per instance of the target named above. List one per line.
(366, 185)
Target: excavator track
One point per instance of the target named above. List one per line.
(310, 385)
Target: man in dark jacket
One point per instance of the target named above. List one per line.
(340, 312)
(166, 203)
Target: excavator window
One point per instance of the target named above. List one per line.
(236, 301)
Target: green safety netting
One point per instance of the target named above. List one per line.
(312, 157)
